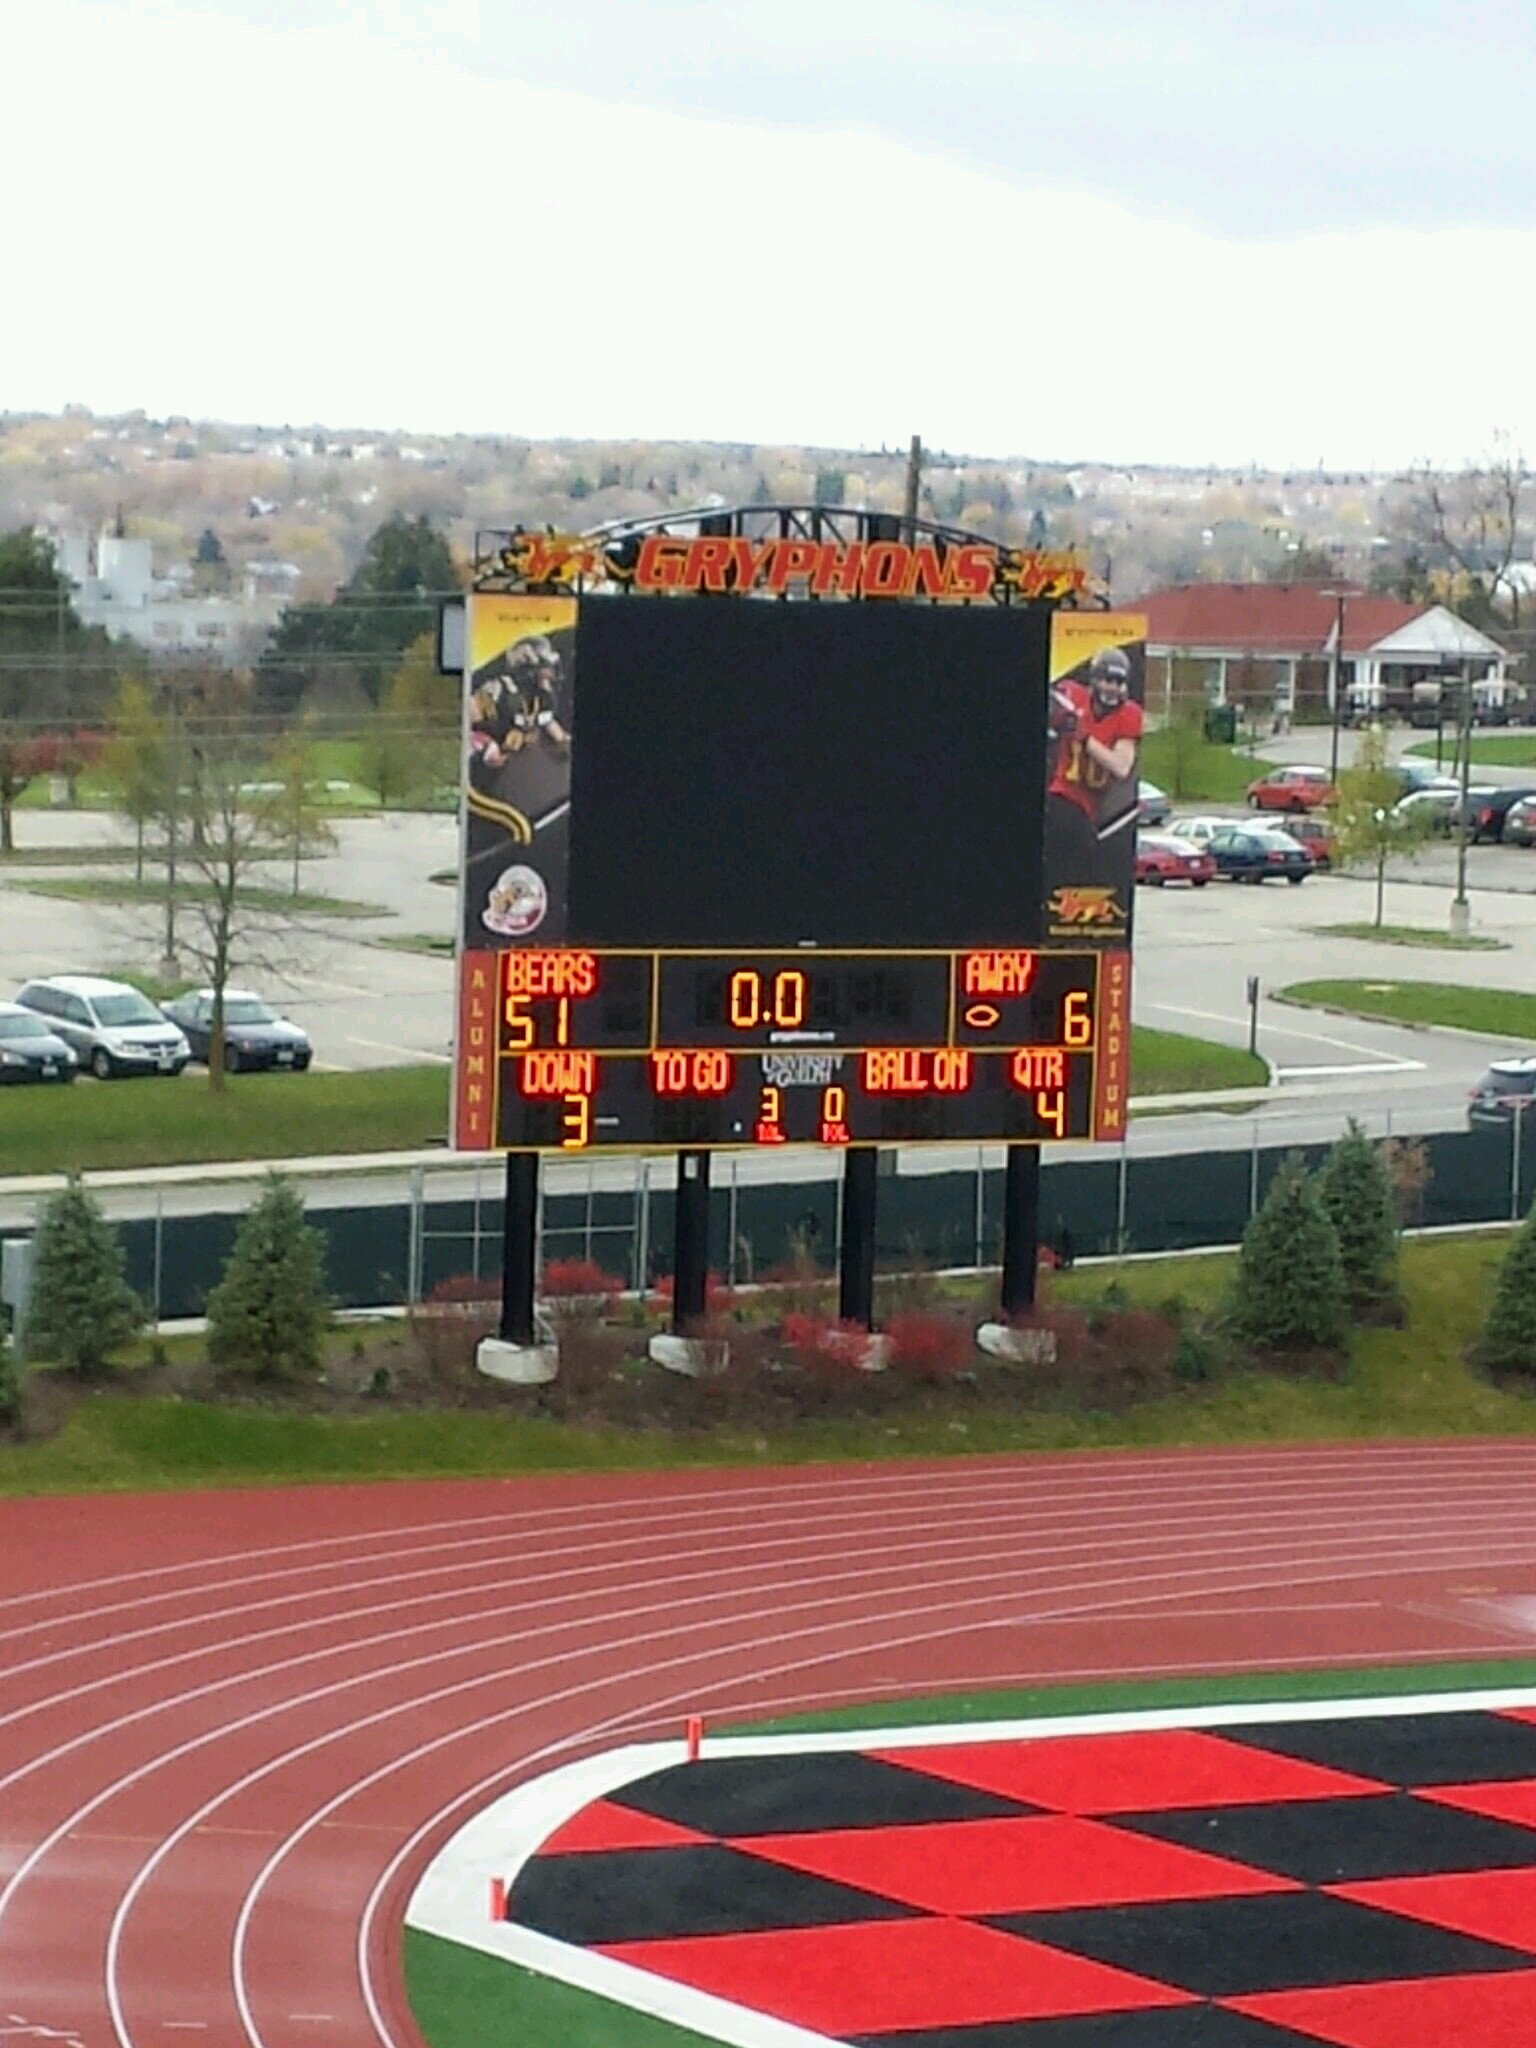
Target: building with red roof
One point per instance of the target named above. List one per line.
(1269, 647)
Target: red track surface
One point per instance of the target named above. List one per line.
(234, 1726)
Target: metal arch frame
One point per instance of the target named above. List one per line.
(617, 542)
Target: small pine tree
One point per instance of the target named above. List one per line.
(266, 1317)
(13, 1378)
(82, 1308)
(1508, 1342)
(1290, 1278)
(1356, 1190)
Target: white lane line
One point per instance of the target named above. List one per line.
(1072, 1485)
(1267, 1522)
(1272, 1030)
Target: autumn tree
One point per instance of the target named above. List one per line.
(52, 669)
(389, 600)
(136, 760)
(1369, 827)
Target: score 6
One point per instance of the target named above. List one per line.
(1076, 1019)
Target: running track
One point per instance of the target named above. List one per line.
(233, 1727)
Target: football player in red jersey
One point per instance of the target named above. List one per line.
(1096, 730)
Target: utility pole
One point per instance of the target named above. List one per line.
(1461, 910)
(1335, 673)
(914, 482)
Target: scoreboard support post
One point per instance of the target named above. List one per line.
(519, 1248)
(1021, 1228)
(856, 1259)
(690, 1240)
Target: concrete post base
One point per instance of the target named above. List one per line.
(1017, 1347)
(519, 1365)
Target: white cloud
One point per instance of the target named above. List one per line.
(330, 225)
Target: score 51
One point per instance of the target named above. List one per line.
(520, 1022)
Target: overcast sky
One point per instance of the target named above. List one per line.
(1282, 231)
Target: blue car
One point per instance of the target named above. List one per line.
(1243, 853)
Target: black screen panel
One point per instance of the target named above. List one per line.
(749, 773)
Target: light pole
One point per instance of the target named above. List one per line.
(1335, 672)
(1461, 910)
(1381, 863)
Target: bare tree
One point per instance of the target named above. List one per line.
(1477, 520)
(234, 822)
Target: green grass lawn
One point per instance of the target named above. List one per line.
(1200, 774)
(1403, 1383)
(97, 1125)
(1411, 935)
(1490, 750)
(116, 889)
(1498, 1012)
(1169, 1063)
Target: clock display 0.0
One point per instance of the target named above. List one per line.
(808, 998)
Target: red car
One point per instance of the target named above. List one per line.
(1291, 789)
(1161, 859)
(1316, 835)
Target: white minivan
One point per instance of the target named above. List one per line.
(113, 1029)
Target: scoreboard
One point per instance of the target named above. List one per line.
(744, 872)
(651, 1049)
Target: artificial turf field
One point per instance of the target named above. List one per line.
(1255, 1874)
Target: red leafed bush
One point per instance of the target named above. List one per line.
(566, 1277)
(719, 1296)
(928, 1346)
(824, 1347)
(460, 1290)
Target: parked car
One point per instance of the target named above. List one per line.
(1291, 789)
(1520, 823)
(1416, 775)
(112, 1028)
(255, 1035)
(29, 1050)
(1316, 835)
(1162, 858)
(1434, 807)
(1252, 853)
(1506, 1091)
(1199, 831)
(1152, 807)
(1487, 811)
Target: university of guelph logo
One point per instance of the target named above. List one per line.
(1086, 909)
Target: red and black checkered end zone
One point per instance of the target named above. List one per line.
(1368, 1881)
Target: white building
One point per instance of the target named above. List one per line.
(116, 588)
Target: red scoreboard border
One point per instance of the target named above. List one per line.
(481, 1053)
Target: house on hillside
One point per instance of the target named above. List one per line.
(1269, 647)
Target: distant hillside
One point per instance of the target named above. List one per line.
(312, 495)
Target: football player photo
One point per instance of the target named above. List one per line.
(1091, 797)
(518, 768)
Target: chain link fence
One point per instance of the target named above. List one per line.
(391, 1249)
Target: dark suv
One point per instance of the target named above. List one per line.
(1505, 1092)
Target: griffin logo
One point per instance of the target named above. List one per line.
(538, 559)
(1083, 906)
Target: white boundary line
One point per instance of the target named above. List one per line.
(452, 1897)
